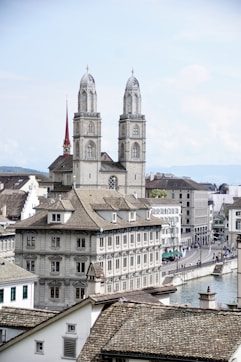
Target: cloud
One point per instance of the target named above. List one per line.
(189, 77)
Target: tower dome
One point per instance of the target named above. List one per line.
(132, 84)
(132, 97)
(87, 98)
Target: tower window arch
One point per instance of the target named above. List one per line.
(128, 103)
(135, 151)
(92, 101)
(77, 149)
(84, 101)
(122, 151)
(91, 150)
(136, 130)
(123, 130)
(136, 104)
(91, 128)
(113, 182)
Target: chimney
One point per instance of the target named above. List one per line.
(207, 299)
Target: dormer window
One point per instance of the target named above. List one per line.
(114, 217)
(148, 214)
(56, 217)
(132, 216)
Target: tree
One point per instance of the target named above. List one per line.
(158, 193)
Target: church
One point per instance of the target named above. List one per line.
(91, 168)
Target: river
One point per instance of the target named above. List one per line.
(225, 286)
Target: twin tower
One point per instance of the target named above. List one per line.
(92, 168)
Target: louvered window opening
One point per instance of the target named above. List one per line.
(70, 347)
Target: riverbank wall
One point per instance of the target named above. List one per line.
(182, 276)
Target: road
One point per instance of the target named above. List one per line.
(193, 257)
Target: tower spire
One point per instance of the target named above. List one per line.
(66, 145)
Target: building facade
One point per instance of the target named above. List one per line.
(89, 167)
(195, 209)
(90, 241)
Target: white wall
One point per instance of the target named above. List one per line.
(19, 302)
(52, 338)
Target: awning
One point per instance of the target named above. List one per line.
(170, 254)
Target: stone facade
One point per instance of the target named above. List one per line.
(90, 241)
(89, 167)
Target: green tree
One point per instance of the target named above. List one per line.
(158, 193)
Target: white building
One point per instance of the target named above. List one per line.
(16, 286)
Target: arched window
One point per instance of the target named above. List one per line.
(136, 104)
(77, 149)
(84, 101)
(123, 130)
(128, 102)
(135, 152)
(92, 100)
(122, 151)
(113, 183)
(136, 130)
(91, 128)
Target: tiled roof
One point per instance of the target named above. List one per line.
(160, 201)
(84, 216)
(163, 332)
(62, 164)
(14, 201)
(236, 204)
(174, 183)
(12, 272)
(23, 317)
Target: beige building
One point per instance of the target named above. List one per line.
(90, 241)
(89, 167)
(195, 210)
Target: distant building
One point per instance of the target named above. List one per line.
(7, 242)
(89, 167)
(193, 198)
(16, 286)
(90, 241)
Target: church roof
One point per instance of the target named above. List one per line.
(63, 163)
(132, 84)
(163, 333)
(87, 80)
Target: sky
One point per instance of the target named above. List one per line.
(186, 55)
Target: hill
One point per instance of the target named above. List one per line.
(16, 169)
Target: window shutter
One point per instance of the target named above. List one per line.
(69, 347)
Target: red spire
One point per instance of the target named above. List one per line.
(66, 145)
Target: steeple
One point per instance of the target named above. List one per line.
(66, 145)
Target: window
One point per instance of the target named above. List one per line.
(25, 291)
(136, 130)
(132, 239)
(151, 235)
(145, 258)
(151, 257)
(131, 260)
(80, 243)
(54, 292)
(79, 293)
(1, 295)
(180, 196)
(113, 184)
(30, 265)
(2, 336)
(101, 242)
(117, 264)
(30, 241)
(117, 240)
(55, 242)
(238, 225)
(145, 236)
(138, 237)
(39, 347)
(55, 266)
(80, 267)
(109, 241)
(56, 218)
(188, 204)
(13, 294)
(124, 239)
(109, 265)
(188, 196)
(138, 259)
(71, 328)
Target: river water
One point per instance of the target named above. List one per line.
(225, 286)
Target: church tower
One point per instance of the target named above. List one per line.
(87, 136)
(67, 144)
(132, 139)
